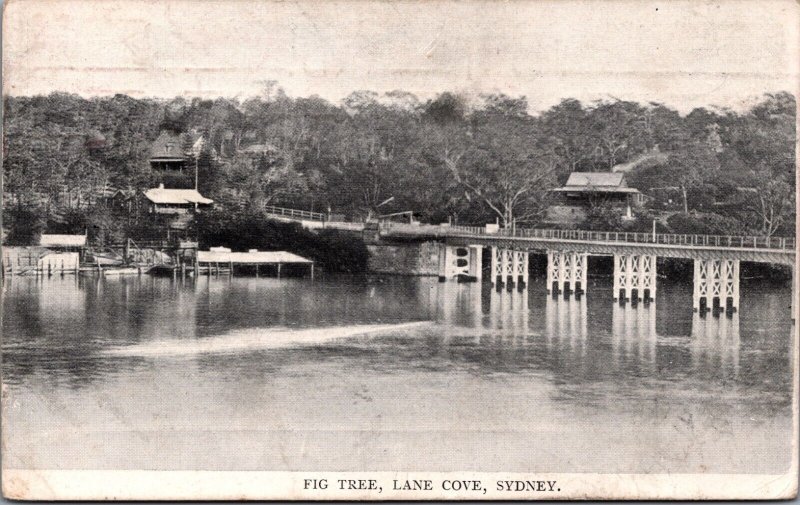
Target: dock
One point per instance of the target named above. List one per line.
(222, 260)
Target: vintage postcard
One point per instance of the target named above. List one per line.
(399, 250)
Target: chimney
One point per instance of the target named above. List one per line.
(161, 186)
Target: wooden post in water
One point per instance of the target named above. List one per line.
(312, 271)
(231, 268)
(279, 270)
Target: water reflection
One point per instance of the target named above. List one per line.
(633, 336)
(58, 331)
(274, 368)
(566, 324)
(716, 343)
(509, 313)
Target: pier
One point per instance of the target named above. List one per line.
(222, 259)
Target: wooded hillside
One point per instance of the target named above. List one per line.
(468, 160)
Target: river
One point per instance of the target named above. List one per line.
(390, 373)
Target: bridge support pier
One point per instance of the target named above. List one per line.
(566, 270)
(455, 261)
(634, 272)
(476, 262)
(521, 267)
(509, 267)
(716, 280)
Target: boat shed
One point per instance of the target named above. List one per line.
(62, 242)
(217, 257)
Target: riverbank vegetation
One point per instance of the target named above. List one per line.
(469, 160)
(333, 250)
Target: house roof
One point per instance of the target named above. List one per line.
(596, 182)
(58, 240)
(176, 196)
(171, 146)
(595, 189)
(168, 145)
(596, 179)
(253, 256)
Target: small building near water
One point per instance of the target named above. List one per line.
(217, 258)
(174, 209)
(55, 254)
(584, 190)
(175, 201)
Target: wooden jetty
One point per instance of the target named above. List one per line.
(222, 260)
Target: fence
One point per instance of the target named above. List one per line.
(782, 243)
(294, 213)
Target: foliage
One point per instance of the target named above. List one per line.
(332, 250)
(470, 161)
(24, 225)
(705, 224)
(603, 217)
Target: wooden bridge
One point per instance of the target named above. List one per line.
(716, 258)
(776, 250)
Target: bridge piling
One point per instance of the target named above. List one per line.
(567, 269)
(716, 281)
(458, 261)
(521, 268)
(495, 265)
(635, 276)
(508, 267)
(476, 262)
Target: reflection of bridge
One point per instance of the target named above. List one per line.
(716, 258)
(564, 328)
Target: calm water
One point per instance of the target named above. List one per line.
(389, 374)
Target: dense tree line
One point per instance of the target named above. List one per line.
(468, 160)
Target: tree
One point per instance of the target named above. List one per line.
(505, 169)
(570, 142)
(690, 168)
(774, 205)
(619, 130)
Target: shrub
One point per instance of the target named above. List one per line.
(333, 250)
(24, 225)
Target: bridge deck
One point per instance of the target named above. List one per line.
(758, 249)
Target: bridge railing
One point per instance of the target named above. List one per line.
(658, 238)
(294, 213)
(784, 243)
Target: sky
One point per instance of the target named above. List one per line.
(684, 54)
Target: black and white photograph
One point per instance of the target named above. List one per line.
(399, 249)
